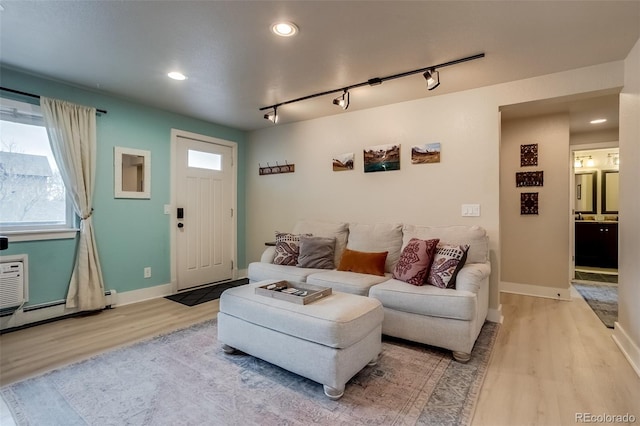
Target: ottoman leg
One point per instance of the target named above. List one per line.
(461, 357)
(228, 349)
(333, 393)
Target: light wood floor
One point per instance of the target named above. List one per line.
(552, 359)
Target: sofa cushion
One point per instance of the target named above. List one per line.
(447, 262)
(287, 249)
(415, 261)
(316, 252)
(259, 271)
(474, 236)
(337, 321)
(319, 228)
(346, 282)
(377, 238)
(363, 262)
(425, 300)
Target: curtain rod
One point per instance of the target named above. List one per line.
(31, 95)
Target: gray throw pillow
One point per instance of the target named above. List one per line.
(316, 252)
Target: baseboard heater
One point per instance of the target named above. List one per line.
(111, 296)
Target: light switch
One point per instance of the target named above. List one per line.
(470, 210)
(167, 209)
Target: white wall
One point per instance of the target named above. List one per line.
(627, 331)
(467, 124)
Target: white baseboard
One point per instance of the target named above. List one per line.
(627, 346)
(135, 296)
(536, 290)
(495, 315)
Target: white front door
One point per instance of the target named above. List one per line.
(204, 212)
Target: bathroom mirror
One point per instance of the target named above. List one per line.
(609, 191)
(132, 173)
(586, 192)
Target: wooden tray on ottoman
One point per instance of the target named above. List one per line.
(313, 293)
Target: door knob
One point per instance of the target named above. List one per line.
(180, 225)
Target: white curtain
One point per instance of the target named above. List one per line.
(72, 136)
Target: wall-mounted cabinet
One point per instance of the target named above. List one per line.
(597, 244)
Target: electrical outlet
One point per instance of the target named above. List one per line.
(147, 272)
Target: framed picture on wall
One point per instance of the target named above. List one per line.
(425, 153)
(382, 158)
(343, 162)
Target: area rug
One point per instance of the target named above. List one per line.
(594, 276)
(184, 378)
(205, 294)
(603, 300)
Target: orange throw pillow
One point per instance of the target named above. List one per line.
(363, 262)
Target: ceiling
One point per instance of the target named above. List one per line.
(235, 65)
(582, 109)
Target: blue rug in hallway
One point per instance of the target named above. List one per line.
(603, 300)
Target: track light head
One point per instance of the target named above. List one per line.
(433, 78)
(272, 116)
(342, 101)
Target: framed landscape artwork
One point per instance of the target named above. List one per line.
(343, 162)
(425, 153)
(381, 158)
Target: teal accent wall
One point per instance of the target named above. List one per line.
(131, 234)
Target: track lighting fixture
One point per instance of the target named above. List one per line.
(433, 78)
(342, 101)
(430, 74)
(272, 116)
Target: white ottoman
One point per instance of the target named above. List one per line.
(327, 341)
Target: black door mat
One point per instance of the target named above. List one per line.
(205, 294)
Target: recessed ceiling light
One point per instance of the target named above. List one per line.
(177, 75)
(284, 29)
(598, 121)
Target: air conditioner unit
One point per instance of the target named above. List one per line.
(11, 284)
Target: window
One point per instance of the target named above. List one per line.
(205, 160)
(32, 194)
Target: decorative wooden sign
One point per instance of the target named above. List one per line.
(529, 155)
(529, 179)
(528, 203)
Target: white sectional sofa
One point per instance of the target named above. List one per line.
(450, 318)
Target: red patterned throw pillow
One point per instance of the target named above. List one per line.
(448, 261)
(287, 248)
(415, 261)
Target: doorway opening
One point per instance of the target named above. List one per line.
(596, 214)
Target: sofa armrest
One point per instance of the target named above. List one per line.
(268, 255)
(472, 276)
